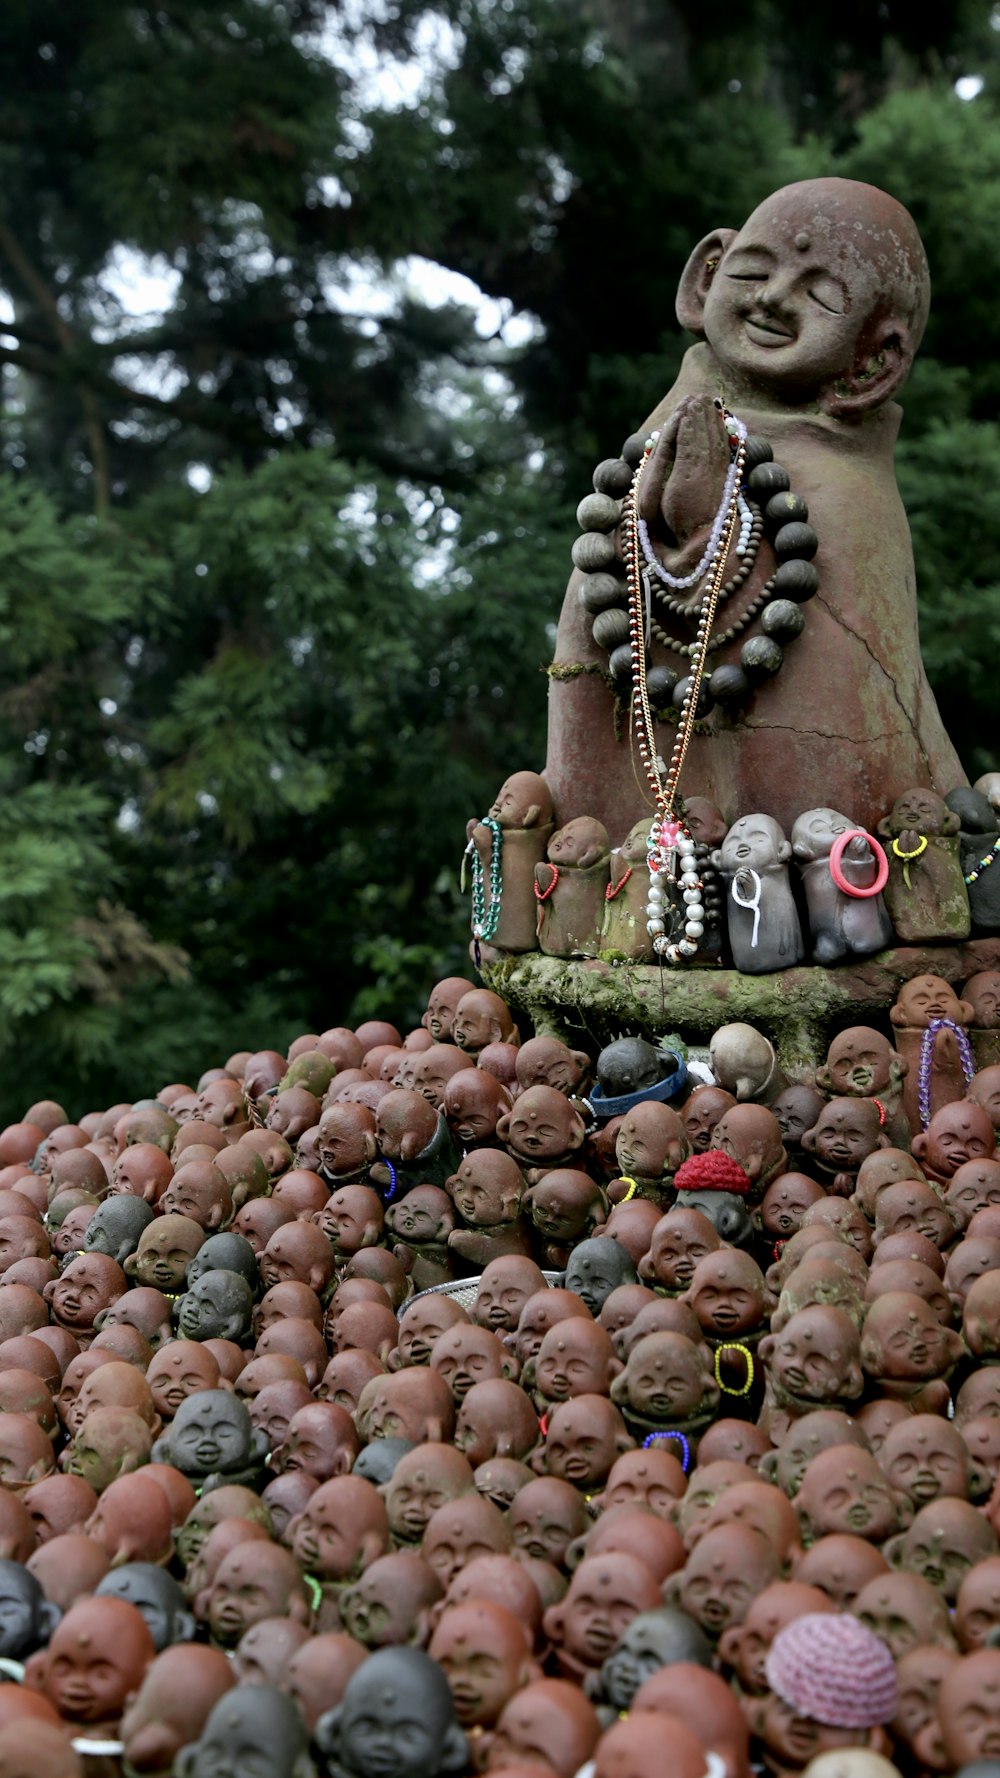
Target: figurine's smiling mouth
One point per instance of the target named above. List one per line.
(765, 331)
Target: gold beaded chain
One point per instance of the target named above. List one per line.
(665, 790)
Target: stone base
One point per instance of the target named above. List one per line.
(798, 1009)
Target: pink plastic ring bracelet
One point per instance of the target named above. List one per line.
(836, 854)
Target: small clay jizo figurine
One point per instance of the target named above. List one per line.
(764, 930)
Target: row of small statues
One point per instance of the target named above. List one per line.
(264, 1510)
(926, 876)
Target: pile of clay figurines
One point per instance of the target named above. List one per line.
(686, 1467)
(826, 892)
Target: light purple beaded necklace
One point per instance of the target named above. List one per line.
(927, 1060)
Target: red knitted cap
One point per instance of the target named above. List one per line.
(712, 1172)
(833, 1669)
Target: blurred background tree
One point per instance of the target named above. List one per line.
(316, 315)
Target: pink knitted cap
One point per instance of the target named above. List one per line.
(832, 1669)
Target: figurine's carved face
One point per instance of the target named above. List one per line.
(927, 997)
(926, 1458)
(545, 1062)
(541, 1312)
(595, 1269)
(982, 992)
(977, 1608)
(97, 1655)
(581, 842)
(903, 1341)
(974, 1185)
(424, 1217)
(199, 1190)
(255, 1581)
(668, 1379)
(384, 1606)
(728, 1294)
(460, 1531)
(605, 1594)
(542, 1126)
(342, 1529)
(944, 1542)
(164, 1251)
(576, 1358)
(346, 1138)
(211, 1431)
(755, 842)
(564, 1204)
(482, 1651)
(651, 1141)
(969, 1709)
(434, 1069)
(487, 1188)
(984, 1090)
(814, 832)
(480, 1018)
(584, 1438)
(442, 1006)
(920, 811)
(422, 1481)
(350, 1219)
(845, 1491)
(701, 1114)
(861, 1063)
(393, 1721)
(321, 1442)
(467, 1355)
(545, 1517)
(550, 1725)
(912, 1207)
(959, 1132)
(785, 1203)
(796, 1110)
(812, 288)
(87, 1286)
(681, 1240)
(847, 1131)
(816, 1356)
(523, 800)
(920, 1672)
(649, 1478)
(504, 1288)
(751, 1135)
(423, 1322)
(217, 1307)
(729, 1566)
(473, 1102)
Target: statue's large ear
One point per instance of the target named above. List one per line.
(696, 279)
(881, 369)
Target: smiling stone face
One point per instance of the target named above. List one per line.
(807, 288)
(211, 1431)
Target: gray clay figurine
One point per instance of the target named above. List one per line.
(763, 923)
(596, 1268)
(212, 1441)
(255, 1728)
(157, 1595)
(396, 1720)
(116, 1225)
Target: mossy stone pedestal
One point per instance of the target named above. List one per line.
(798, 1009)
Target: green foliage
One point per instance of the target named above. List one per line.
(242, 729)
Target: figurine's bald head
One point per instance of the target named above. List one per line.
(821, 295)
